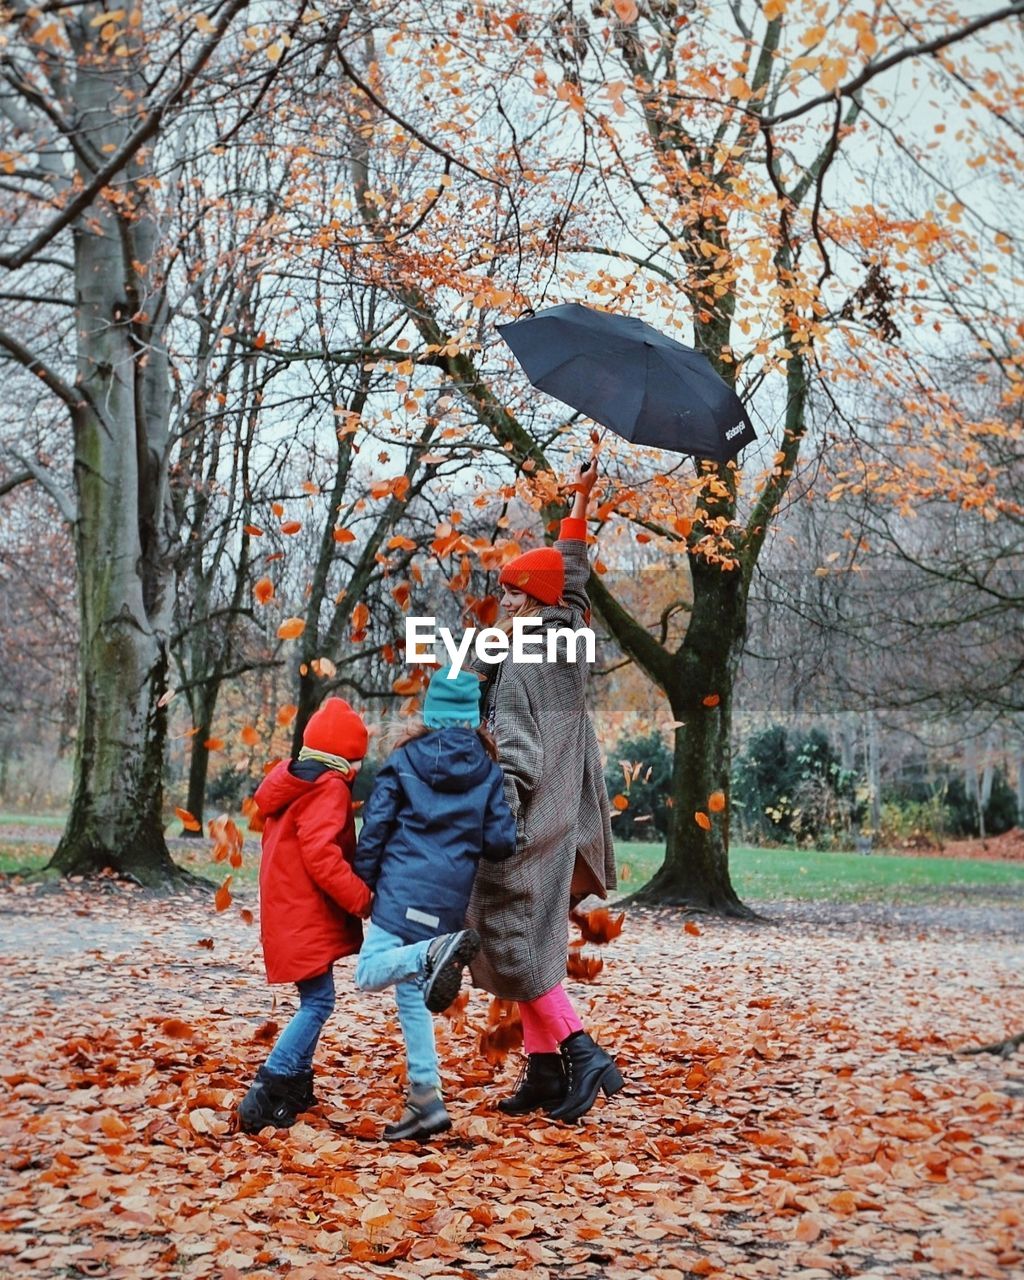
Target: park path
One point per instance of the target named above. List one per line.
(794, 1107)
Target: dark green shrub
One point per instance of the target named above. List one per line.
(647, 815)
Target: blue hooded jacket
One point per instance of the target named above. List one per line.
(437, 806)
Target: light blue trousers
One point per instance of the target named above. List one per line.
(386, 961)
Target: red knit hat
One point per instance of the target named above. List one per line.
(540, 573)
(335, 728)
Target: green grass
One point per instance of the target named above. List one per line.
(811, 874)
(757, 874)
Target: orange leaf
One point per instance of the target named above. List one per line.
(213, 744)
(702, 820)
(260, 341)
(277, 508)
(222, 898)
(113, 1126)
(401, 543)
(690, 928)
(188, 820)
(599, 925)
(583, 968)
(249, 735)
(620, 802)
(360, 617)
(287, 713)
(177, 1029)
(246, 915)
(627, 10)
(263, 591)
(291, 526)
(716, 801)
(344, 535)
(684, 525)
(253, 530)
(266, 1033)
(291, 628)
(712, 700)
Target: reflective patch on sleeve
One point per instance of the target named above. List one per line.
(422, 917)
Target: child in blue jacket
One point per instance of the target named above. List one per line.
(437, 807)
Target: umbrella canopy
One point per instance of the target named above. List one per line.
(641, 384)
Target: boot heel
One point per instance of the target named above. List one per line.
(612, 1081)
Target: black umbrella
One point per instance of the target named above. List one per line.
(622, 373)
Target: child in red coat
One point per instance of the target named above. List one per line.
(311, 901)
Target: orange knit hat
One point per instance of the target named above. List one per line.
(540, 573)
(335, 728)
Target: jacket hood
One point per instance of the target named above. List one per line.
(280, 788)
(448, 759)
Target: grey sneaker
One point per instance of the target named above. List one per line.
(447, 956)
(424, 1115)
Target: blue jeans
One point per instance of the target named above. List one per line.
(293, 1052)
(385, 961)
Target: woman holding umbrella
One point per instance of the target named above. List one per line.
(555, 787)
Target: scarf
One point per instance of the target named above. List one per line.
(338, 763)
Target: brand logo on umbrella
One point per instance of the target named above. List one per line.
(734, 431)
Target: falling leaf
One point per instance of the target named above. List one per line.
(188, 820)
(716, 801)
(249, 736)
(711, 700)
(291, 526)
(246, 916)
(598, 926)
(582, 967)
(620, 802)
(213, 744)
(702, 820)
(627, 10)
(691, 929)
(286, 714)
(253, 530)
(222, 898)
(266, 1033)
(291, 628)
(343, 535)
(400, 543)
(263, 591)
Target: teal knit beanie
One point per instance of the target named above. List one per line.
(452, 702)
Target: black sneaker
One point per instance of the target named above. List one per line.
(424, 1115)
(447, 956)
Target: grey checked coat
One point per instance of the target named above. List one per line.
(555, 787)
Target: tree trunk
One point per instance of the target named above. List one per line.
(120, 432)
(695, 872)
(199, 759)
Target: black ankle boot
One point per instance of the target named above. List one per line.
(308, 1097)
(275, 1100)
(541, 1085)
(588, 1070)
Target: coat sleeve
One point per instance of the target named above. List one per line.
(499, 825)
(380, 814)
(317, 825)
(520, 745)
(572, 544)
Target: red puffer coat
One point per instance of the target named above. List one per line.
(310, 898)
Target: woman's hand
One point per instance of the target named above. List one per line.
(582, 487)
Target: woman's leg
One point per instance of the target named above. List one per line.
(385, 959)
(293, 1052)
(548, 1020)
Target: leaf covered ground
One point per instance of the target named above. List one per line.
(794, 1108)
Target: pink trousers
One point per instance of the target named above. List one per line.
(547, 1021)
